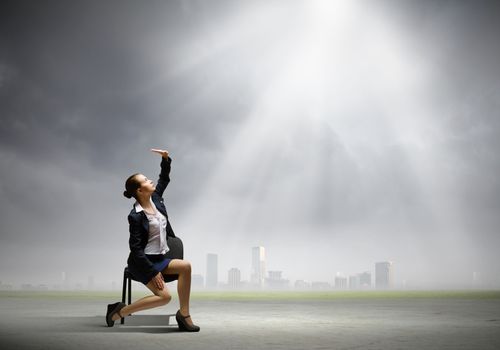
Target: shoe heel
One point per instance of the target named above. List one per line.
(183, 326)
(110, 309)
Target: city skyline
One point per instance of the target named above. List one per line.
(382, 278)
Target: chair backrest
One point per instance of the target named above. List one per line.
(176, 248)
(176, 251)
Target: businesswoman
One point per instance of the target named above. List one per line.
(149, 231)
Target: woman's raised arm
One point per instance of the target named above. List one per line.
(164, 178)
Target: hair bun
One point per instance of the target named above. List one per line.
(126, 194)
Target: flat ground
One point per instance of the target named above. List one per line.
(334, 320)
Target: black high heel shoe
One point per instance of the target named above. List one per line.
(183, 326)
(112, 309)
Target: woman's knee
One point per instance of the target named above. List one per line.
(187, 266)
(178, 266)
(165, 296)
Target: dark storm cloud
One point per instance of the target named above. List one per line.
(78, 70)
(76, 83)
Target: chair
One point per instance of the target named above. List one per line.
(176, 251)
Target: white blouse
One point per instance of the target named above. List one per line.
(157, 241)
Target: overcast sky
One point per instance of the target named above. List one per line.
(334, 134)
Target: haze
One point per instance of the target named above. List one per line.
(335, 134)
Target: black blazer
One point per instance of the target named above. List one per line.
(139, 265)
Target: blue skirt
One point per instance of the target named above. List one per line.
(161, 265)
(159, 262)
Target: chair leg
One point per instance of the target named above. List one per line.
(130, 291)
(124, 292)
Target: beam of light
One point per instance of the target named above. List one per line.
(347, 75)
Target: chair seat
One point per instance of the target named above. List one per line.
(176, 251)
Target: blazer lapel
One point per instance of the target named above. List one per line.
(145, 221)
(159, 206)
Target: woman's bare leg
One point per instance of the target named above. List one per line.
(160, 297)
(183, 269)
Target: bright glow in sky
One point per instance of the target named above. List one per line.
(347, 76)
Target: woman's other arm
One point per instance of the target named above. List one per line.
(143, 263)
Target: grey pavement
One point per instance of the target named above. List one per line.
(426, 323)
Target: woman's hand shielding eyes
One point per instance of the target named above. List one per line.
(164, 153)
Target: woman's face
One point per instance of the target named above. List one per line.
(147, 185)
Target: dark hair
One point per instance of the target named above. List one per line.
(131, 186)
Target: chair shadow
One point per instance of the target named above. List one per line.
(133, 324)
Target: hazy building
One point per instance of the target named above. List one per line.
(301, 284)
(275, 275)
(476, 279)
(320, 286)
(27, 286)
(212, 267)
(365, 279)
(384, 275)
(65, 280)
(275, 281)
(234, 278)
(258, 266)
(340, 282)
(354, 282)
(5, 286)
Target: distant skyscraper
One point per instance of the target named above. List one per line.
(65, 280)
(340, 282)
(354, 282)
(275, 281)
(365, 279)
(384, 275)
(476, 279)
(234, 278)
(212, 277)
(275, 275)
(258, 266)
(301, 284)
